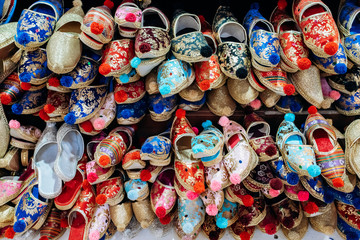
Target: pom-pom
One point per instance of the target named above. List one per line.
(87, 126)
(104, 69)
(99, 124)
(43, 238)
(212, 210)
(133, 195)
(202, 19)
(101, 199)
(303, 196)
(66, 81)
(314, 170)
(104, 160)
(25, 86)
(85, 184)
(23, 38)
(282, 4)
(292, 178)
(331, 48)
(270, 150)
(276, 184)
(43, 115)
(247, 200)
(77, 3)
(127, 113)
(9, 233)
(312, 110)
(109, 4)
(187, 228)
(195, 130)
(303, 63)
(244, 236)
(223, 121)
(242, 73)
(96, 28)
(164, 89)
(70, 118)
(130, 17)
(192, 195)
(49, 108)
(54, 82)
(351, 86)
(295, 106)
(135, 62)
(288, 222)
(274, 193)
(334, 95)
(206, 51)
(289, 89)
(158, 108)
(204, 85)
(160, 212)
(255, 6)
(215, 185)
(165, 220)
(147, 148)
(124, 78)
(270, 228)
(222, 222)
(311, 208)
(121, 96)
(145, 175)
(92, 177)
(14, 124)
(338, 182)
(206, 124)
(255, 104)
(144, 47)
(25, 77)
(94, 235)
(235, 179)
(19, 226)
(199, 187)
(17, 108)
(180, 113)
(64, 223)
(5, 99)
(274, 59)
(340, 68)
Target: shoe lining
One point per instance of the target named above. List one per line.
(258, 130)
(313, 10)
(232, 32)
(71, 27)
(186, 24)
(262, 26)
(77, 230)
(44, 8)
(355, 28)
(153, 19)
(288, 26)
(323, 140)
(167, 177)
(69, 190)
(294, 140)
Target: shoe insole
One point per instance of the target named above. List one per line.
(355, 28)
(70, 188)
(70, 153)
(261, 25)
(35, 193)
(257, 131)
(294, 140)
(186, 24)
(232, 32)
(313, 10)
(43, 8)
(322, 140)
(210, 42)
(234, 140)
(167, 177)
(288, 26)
(153, 20)
(77, 230)
(71, 27)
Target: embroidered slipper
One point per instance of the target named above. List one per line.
(133, 161)
(128, 17)
(227, 215)
(269, 98)
(294, 53)
(132, 113)
(226, 107)
(217, 177)
(154, 23)
(64, 47)
(121, 215)
(55, 225)
(98, 26)
(208, 145)
(241, 232)
(297, 233)
(347, 83)
(37, 23)
(143, 212)
(160, 108)
(210, 229)
(182, 192)
(10, 188)
(282, 172)
(147, 65)
(297, 193)
(318, 27)
(136, 189)
(349, 214)
(32, 101)
(326, 222)
(130, 92)
(81, 214)
(270, 224)
(348, 104)
(233, 52)
(192, 93)
(213, 201)
(56, 107)
(100, 222)
(263, 40)
(253, 215)
(238, 193)
(24, 132)
(241, 91)
(181, 234)
(150, 173)
(10, 89)
(191, 215)
(289, 104)
(345, 230)
(54, 85)
(335, 64)
(157, 149)
(45, 153)
(314, 207)
(241, 158)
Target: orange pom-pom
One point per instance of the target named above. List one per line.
(311, 208)
(43, 115)
(54, 82)
(104, 160)
(199, 187)
(282, 4)
(43, 238)
(331, 48)
(48, 108)
(25, 86)
(87, 126)
(109, 4)
(64, 223)
(312, 110)
(145, 175)
(304, 63)
(101, 199)
(289, 89)
(165, 220)
(245, 236)
(338, 182)
(86, 184)
(9, 233)
(5, 99)
(96, 28)
(204, 85)
(121, 96)
(180, 113)
(247, 200)
(104, 69)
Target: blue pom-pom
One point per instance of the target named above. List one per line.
(127, 113)
(164, 89)
(198, 148)
(314, 170)
(124, 78)
(19, 226)
(340, 68)
(221, 222)
(70, 118)
(23, 38)
(147, 148)
(356, 203)
(274, 59)
(25, 77)
(133, 195)
(352, 236)
(290, 117)
(17, 109)
(292, 178)
(66, 81)
(135, 62)
(158, 108)
(187, 228)
(255, 6)
(295, 107)
(206, 124)
(328, 196)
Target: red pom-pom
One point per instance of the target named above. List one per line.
(288, 222)
(204, 85)
(9, 233)
(160, 212)
(304, 63)
(92, 177)
(247, 200)
(109, 4)
(5, 99)
(145, 175)
(104, 69)
(276, 184)
(130, 17)
(48, 108)
(86, 184)
(43, 238)
(282, 4)
(64, 223)
(87, 126)
(25, 86)
(270, 228)
(54, 82)
(104, 160)
(312, 110)
(121, 96)
(245, 236)
(43, 115)
(199, 187)
(165, 220)
(180, 113)
(144, 47)
(96, 28)
(289, 89)
(331, 48)
(196, 130)
(101, 199)
(338, 182)
(311, 208)
(270, 150)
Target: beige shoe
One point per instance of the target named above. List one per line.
(326, 222)
(220, 102)
(241, 91)
(143, 212)
(297, 233)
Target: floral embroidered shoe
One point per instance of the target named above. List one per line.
(210, 229)
(263, 40)
(241, 158)
(217, 177)
(192, 106)
(270, 224)
(241, 232)
(282, 172)
(253, 215)
(24, 132)
(98, 26)
(162, 108)
(227, 215)
(297, 193)
(133, 161)
(57, 105)
(345, 230)
(238, 193)
(294, 53)
(132, 113)
(157, 149)
(191, 215)
(346, 83)
(100, 222)
(37, 23)
(10, 188)
(213, 201)
(208, 145)
(348, 105)
(130, 92)
(32, 101)
(233, 52)
(349, 214)
(136, 189)
(335, 64)
(111, 191)
(128, 18)
(258, 132)
(318, 27)
(97, 174)
(299, 157)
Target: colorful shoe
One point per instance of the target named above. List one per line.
(191, 106)
(192, 93)
(160, 108)
(147, 65)
(213, 201)
(326, 222)
(128, 17)
(32, 101)
(100, 222)
(136, 190)
(297, 233)
(318, 27)
(346, 83)
(132, 113)
(54, 227)
(270, 224)
(10, 89)
(223, 218)
(56, 107)
(210, 229)
(150, 173)
(129, 77)
(241, 232)
(348, 104)
(191, 215)
(238, 193)
(289, 104)
(225, 107)
(282, 172)
(335, 64)
(37, 23)
(269, 98)
(351, 141)
(297, 193)
(253, 215)
(133, 161)
(111, 191)
(97, 174)
(157, 149)
(208, 145)
(263, 40)
(130, 92)
(346, 231)
(24, 132)
(314, 207)
(10, 188)
(217, 177)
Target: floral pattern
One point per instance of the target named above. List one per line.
(159, 104)
(228, 211)
(217, 172)
(34, 63)
(84, 73)
(8, 189)
(280, 170)
(206, 144)
(101, 219)
(111, 188)
(275, 80)
(92, 167)
(190, 172)
(211, 197)
(191, 213)
(163, 196)
(133, 91)
(264, 44)
(135, 185)
(345, 228)
(60, 101)
(261, 144)
(349, 103)
(352, 47)
(328, 64)
(161, 148)
(137, 111)
(33, 100)
(85, 204)
(158, 40)
(100, 16)
(123, 10)
(208, 71)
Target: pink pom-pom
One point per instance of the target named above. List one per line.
(212, 210)
(223, 121)
(192, 195)
(256, 104)
(303, 196)
(235, 179)
(94, 235)
(99, 124)
(335, 95)
(215, 185)
(196, 130)
(274, 193)
(92, 177)
(14, 124)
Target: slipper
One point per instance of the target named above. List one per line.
(121, 215)
(191, 215)
(191, 106)
(270, 224)
(192, 93)
(297, 193)
(241, 91)
(335, 64)
(238, 193)
(130, 92)
(282, 172)
(70, 151)
(181, 234)
(136, 189)
(213, 201)
(241, 232)
(143, 212)
(132, 113)
(217, 177)
(150, 173)
(269, 98)
(133, 161)
(10, 89)
(111, 191)
(326, 222)
(157, 149)
(27, 133)
(32, 101)
(128, 18)
(56, 107)
(147, 65)
(348, 104)
(54, 226)
(253, 215)
(227, 215)
(100, 222)
(225, 107)
(10, 188)
(351, 141)
(314, 207)
(297, 233)
(349, 214)
(210, 229)
(50, 184)
(347, 83)
(97, 174)
(346, 231)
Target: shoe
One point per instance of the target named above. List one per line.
(10, 89)
(111, 191)
(217, 177)
(136, 189)
(269, 98)
(100, 222)
(192, 93)
(132, 113)
(128, 17)
(238, 193)
(150, 173)
(241, 232)
(223, 218)
(133, 161)
(157, 149)
(121, 215)
(56, 107)
(55, 225)
(297, 193)
(210, 229)
(345, 83)
(161, 108)
(213, 201)
(32, 101)
(253, 215)
(326, 222)
(130, 92)
(335, 64)
(191, 106)
(97, 174)
(143, 212)
(345, 230)
(10, 188)
(347, 104)
(270, 224)
(191, 215)
(226, 107)
(282, 172)
(297, 233)
(241, 91)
